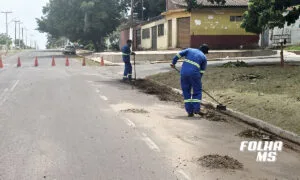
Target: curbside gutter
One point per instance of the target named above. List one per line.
(287, 135)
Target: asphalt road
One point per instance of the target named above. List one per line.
(53, 126)
(68, 123)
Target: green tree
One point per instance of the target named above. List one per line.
(267, 14)
(4, 39)
(77, 20)
(146, 8)
(21, 43)
(54, 42)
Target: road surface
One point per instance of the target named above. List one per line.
(69, 123)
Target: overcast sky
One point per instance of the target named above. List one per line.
(26, 11)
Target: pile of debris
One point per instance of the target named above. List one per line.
(216, 161)
(163, 92)
(235, 64)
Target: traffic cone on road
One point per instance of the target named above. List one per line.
(53, 61)
(102, 61)
(1, 63)
(67, 61)
(83, 61)
(19, 62)
(36, 63)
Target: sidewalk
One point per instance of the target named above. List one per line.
(153, 56)
(166, 57)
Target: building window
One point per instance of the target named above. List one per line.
(236, 18)
(138, 36)
(161, 30)
(146, 33)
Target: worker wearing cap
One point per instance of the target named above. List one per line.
(126, 52)
(191, 72)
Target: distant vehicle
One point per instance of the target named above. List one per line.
(69, 49)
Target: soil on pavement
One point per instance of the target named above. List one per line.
(141, 111)
(216, 161)
(163, 92)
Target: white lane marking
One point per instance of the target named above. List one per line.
(2, 96)
(150, 143)
(3, 93)
(129, 123)
(104, 98)
(97, 91)
(14, 86)
(2, 101)
(186, 177)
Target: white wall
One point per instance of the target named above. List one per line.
(162, 41)
(293, 29)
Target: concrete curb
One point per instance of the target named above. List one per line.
(287, 135)
(106, 63)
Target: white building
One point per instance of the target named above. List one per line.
(290, 33)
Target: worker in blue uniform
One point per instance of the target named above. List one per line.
(191, 73)
(126, 52)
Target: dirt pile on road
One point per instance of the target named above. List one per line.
(212, 115)
(140, 111)
(216, 161)
(249, 133)
(163, 92)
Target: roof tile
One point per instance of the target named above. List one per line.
(229, 3)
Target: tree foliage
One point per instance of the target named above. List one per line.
(4, 39)
(54, 42)
(88, 20)
(267, 14)
(20, 43)
(147, 8)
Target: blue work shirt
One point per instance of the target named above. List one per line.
(195, 62)
(126, 52)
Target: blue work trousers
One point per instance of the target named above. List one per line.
(192, 101)
(127, 71)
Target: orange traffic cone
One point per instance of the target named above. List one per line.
(36, 63)
(67, 61)
(102, 61)
(1, 63)
(19, 62)
(53, 61)
(83, 61)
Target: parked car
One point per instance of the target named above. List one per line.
(69, 49)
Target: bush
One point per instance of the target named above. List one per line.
(90, 47)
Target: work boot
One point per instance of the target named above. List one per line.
(201, 113)
(191, 115)
(124, 80)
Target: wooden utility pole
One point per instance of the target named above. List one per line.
(16, 31)
(6, 13)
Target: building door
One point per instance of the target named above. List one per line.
(170, 33)
(183, 32)
(154, 37)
